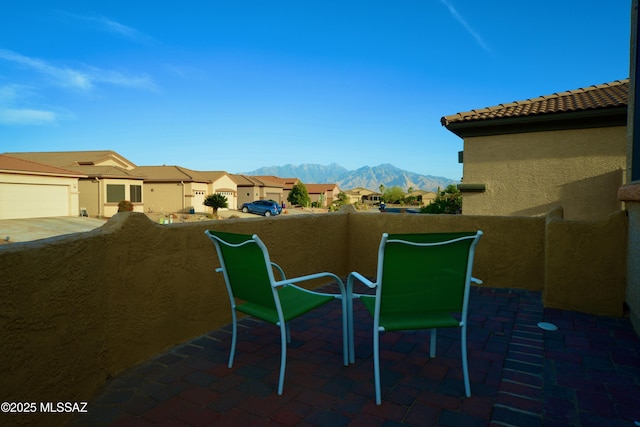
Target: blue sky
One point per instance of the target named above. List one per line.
(237, 85)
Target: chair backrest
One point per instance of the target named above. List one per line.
(425, 272)
(246, 266)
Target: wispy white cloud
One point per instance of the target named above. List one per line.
(26, 116)
(75, 78)
(62, 75)
(14, 94)
(103, 23)
(466, 26)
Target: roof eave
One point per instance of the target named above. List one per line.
(616, 116)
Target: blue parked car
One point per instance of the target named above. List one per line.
(262, 207)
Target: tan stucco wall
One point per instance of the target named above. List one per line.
(510, 253)
(531, 173)
(79, 309)
(89, 197)
(586, 264)
(163, 197)
(247, 194)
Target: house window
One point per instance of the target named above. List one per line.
(115, 193)
(135, 192)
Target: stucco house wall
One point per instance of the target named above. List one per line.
(567, 150)
(530, 173)
(163, 197)
(227, 187)
(110, 207)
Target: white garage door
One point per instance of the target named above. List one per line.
(33, 200)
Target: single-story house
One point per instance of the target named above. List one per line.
(107, 178)
(323, 194)
(287, 184)
(252, 188)
(363, 195)
(220, 182)
(173, 189)
(34, 190)
(423, 197)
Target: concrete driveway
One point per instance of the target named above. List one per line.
(29, 229)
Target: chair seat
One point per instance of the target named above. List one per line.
(411, 320)
(294, 302)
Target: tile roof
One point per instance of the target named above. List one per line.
(321, 188)
(107, 172)
(604, 96)
(287, 183)
(171, 173)
(254, 181)
(75, 158)
(14, 164)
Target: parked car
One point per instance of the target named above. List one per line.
(262, 207)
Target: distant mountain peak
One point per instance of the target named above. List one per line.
(370, 177)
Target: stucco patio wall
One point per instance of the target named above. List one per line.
(510, 253)
(586, 264)
(81, 308)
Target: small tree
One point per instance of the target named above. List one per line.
(393, 194)
(299, 195)
(340, 201)
(448, 201)
(215, 201)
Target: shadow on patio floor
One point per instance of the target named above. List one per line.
(585, 373)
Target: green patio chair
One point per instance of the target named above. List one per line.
(423, 282)
(254, 290)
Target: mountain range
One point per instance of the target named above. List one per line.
(370, 177)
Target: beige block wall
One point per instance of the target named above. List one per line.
(531, 173)
(81, 308)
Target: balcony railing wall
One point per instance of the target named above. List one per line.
(79, 309)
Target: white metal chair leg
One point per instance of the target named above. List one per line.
(432, 343)
(376, 365)
(352, 349)
(234, 336)
(283, 356)
(345, 332)
(465, 367)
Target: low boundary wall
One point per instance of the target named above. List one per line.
(79, 309)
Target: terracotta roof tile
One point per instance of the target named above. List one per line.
(607, 95)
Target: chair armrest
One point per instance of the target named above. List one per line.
(361, 278)
(354, 275)
(307, 277)
(280, 270)
(476, 281)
